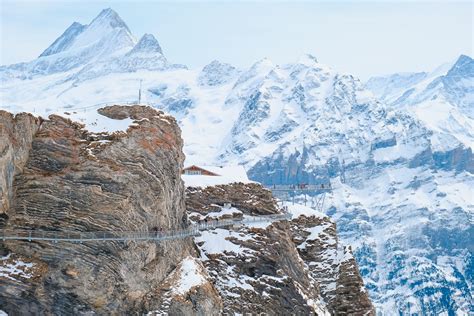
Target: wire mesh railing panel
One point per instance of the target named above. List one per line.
(75, 236)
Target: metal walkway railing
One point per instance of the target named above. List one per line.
(79, 237)
(310, 188)
(316, 192)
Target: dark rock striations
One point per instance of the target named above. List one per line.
(16, 136)
(74, 180)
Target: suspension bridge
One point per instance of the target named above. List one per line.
(90, 236)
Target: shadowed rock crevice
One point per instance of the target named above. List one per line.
(16, 136)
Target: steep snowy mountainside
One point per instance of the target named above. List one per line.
(454, 86)
(389, 88)
(146, 44)
(412, 231)
(443, 99)
(146, 55)
(217, 73)
(306, 123)
(273, 109)
(63, 42)
(304, 116)
(458, 85)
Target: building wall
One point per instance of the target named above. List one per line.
(194, 170)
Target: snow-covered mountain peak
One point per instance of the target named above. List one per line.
(108, 31)
(308, 60)
(80, 47)
(259, 70)
(108, 17)
(464, 67)
(76, 24)
(389, 87)
(217, 73)
(264, 63)
(442, 99)
(65, 40)
(147, 44)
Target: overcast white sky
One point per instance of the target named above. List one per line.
(363, 38)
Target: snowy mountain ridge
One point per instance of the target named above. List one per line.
(398, 150)
(443, 99)
(103, 46)
(453, 81)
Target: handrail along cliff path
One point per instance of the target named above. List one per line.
(192, 230)
(77, 236)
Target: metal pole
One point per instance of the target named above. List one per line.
(140, 93)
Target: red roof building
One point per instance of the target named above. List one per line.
(195, 170)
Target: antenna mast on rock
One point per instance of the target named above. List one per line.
(140, 93)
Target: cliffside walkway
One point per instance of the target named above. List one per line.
(300, 189)
(79, 237)
(317, 192)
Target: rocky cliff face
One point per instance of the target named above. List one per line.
(16, 136)
(68, 179)
(331, 264)
(57, 176)
(288, 267)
